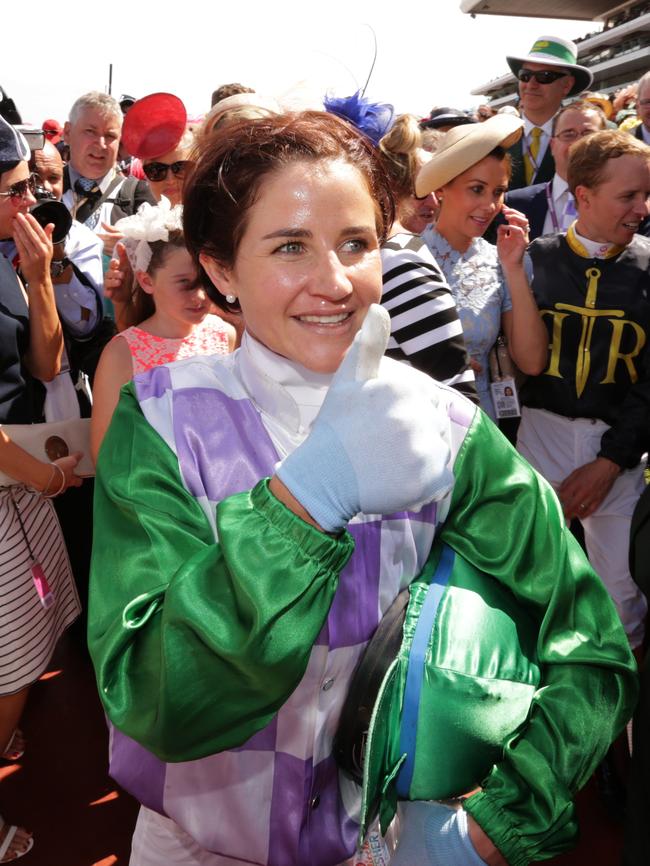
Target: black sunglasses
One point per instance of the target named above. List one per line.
(541, 76)
(157, 171)
(18, 191)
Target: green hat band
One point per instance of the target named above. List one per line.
(554, 48)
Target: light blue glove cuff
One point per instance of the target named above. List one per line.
(322, 478)
(447, 839)
(434, 835)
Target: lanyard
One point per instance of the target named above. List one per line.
(530, 156)
(41, 585)
(551, 207)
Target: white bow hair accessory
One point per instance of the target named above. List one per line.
(151, 223)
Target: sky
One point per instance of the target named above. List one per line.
(428, 54)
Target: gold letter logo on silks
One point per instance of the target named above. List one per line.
(589, 315)
(556, 342)
(583, 360)
(618, 326)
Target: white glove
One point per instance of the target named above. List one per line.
(433, 835)
(377, 443)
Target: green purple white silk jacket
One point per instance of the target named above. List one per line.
(224, 630)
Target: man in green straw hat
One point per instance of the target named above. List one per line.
(547, 75)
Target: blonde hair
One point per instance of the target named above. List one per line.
(187, 144)
(400, 146)
(187, 140)
(431, 139)
(247, 105)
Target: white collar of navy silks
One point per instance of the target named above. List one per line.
(589, 249)
(103, 183)
(280, 388)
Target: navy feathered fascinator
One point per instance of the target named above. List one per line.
(373, 119)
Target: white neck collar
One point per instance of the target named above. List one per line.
(560, 186)
(281, 388)
(595, 249)
(545, 127)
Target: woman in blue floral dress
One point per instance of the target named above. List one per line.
(469, 174)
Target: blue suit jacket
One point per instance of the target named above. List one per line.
(532, 201)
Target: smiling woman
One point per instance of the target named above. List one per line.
(311, 292)
(268, 508)
(470, 173)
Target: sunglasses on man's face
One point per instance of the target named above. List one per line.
(157, 171)
(541, 76)
(19, 190)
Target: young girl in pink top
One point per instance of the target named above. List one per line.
(171, 311)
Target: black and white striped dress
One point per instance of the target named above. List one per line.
(425, 328)
(29, 632)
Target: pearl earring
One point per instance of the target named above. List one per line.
(231, 298)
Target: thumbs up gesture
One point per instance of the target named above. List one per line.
(377, 443)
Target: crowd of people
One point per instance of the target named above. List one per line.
(275, 348)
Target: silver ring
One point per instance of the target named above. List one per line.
(582, 506)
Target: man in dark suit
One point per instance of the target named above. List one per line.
(546, 76)
(549, 206)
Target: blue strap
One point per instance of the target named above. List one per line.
(415, 670)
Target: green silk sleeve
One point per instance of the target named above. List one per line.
(196, 644)
(506, 520)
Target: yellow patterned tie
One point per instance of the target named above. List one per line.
(531, 165)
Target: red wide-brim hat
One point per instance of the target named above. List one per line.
(154, 125)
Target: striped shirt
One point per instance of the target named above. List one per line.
(425, 329)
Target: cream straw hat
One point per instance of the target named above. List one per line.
(464, 146)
